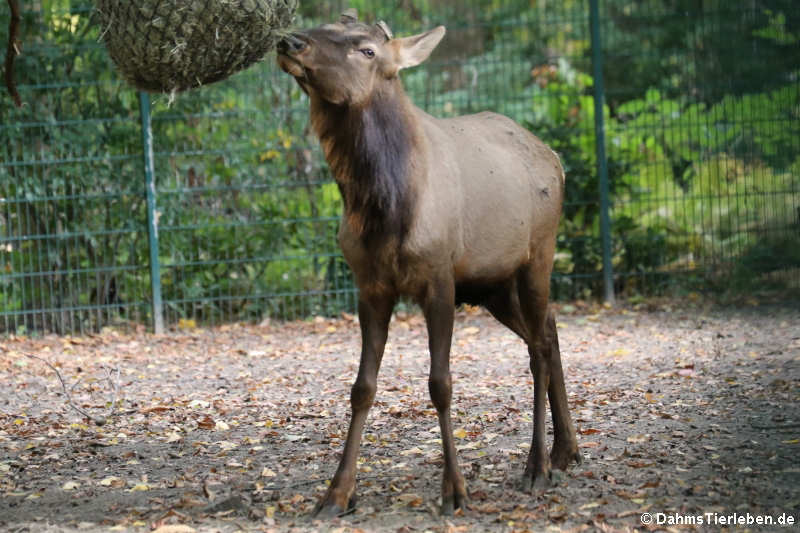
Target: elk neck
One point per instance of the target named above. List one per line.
(369, 150)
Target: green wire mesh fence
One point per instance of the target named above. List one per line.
(701, 109)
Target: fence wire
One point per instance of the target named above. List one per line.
(702, 130)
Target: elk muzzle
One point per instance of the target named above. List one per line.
(289, 49)
(292, 44)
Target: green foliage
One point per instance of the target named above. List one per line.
(701, 137)
(69, 188)
(691, 184)
(717, 179)
(707, 50)
(251, 223)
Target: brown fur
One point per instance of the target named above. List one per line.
(441, 211)
(369, 149)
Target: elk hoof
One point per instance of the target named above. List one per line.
(560, 458)
(536, 483)
(454, 496)
(327, 510)
(453, 502)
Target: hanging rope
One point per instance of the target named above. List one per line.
(13, 51)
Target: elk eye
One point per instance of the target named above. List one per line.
(369, 52)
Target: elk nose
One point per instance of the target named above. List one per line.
(291, 44)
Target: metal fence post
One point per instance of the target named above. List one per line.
(152, 216)
(600, 140)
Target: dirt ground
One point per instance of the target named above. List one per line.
(683, 413)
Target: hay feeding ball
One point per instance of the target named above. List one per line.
(175, 45)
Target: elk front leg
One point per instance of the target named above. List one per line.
(439, 309)
(374, 315)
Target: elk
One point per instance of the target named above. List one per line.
(440, 211)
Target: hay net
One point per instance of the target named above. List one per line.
(175, 45)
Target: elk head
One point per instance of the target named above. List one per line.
(345, 62)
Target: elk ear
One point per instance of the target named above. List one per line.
(350, 15)
(411, 51)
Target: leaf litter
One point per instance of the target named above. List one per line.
(678, 410)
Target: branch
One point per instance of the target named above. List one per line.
(99, 420)
(13, 51)
(114, 388)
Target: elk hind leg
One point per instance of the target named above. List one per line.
(565, 444)
(504, 306)
(533, 286)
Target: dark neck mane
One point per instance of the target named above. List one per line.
(369, 152)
